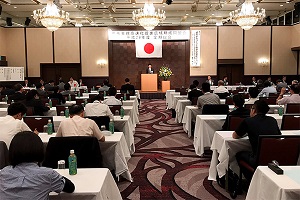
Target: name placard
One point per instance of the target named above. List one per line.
(149, 35)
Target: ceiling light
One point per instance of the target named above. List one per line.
(15, 7)
(213, 14)
(219, 21)
(281, 5)
(207, 7)
(50, 16)
(148, 17)
(78, 23)
(240, 3)
(247, 17)
(219, 6)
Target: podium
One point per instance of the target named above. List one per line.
(149, 82)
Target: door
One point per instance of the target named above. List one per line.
(234, 72)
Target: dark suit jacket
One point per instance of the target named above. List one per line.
(237, 112)
(194, 93)
(128, 87)
(147, 70)
(38, 106)
(58, 96)
(17, 96)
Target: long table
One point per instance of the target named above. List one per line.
(90, 184)
(114, 152)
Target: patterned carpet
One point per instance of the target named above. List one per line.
(164, 165)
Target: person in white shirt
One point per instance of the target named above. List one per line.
(207, 97)
(12, 124)
(73, 83)
(111, 99)
(98, 109)
(253, 92)
(76, 125)
(221, 88)
(267, 89)
(294, 98)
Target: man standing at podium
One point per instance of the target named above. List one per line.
(150, 70)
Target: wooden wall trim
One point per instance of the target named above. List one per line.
(271, 50)
(26, 60)
(230, 61)
(53, 48)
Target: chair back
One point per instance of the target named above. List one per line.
(177, 89)
(248, 106)
(30, 111)
(282, 148)
(34, 122)
(215, 109)
(119, 96)
(269, 100)
(55, 102)
(183, 91)
(66, 97)
(86, 149)
(100, 120)
(79, 101)
(222, 95)
(194, 100)
(92, 96)
(290, 122)
(60, 108)
(275, 95)
(229, 101)
(292, 108)
(113, 108)
(3, 155)
(234, 121)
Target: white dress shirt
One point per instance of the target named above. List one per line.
(221, 89)
(294, 98)
(267, 90)
(78, 126)
(98, 109)
(10, 127)
(73, 83)
(112, 101)
(251, 101)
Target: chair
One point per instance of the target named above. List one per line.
(100, 120)
(60, 108)
(79, 101)
(183, 91)
(229, 101)
(119, 96)
(248, 106)
(290, 122)
(194, 100)
(215, 109)
(113, 108)
(234, 121)
(3, 155)
(30, 111)
(55, 102)
(273, 95)
(292, 108)
(269, 100)
(273, 147)
(38, 123)
(86, 149)
(222, 95)
(177, 89)
(92, 96)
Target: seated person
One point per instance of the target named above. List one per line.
(221, 88)
(268, 88)
(127, 87)
(49, 86)
(105, 86)
(73, 83)
(24, 178)
(194, 93)
(207, 97)
(209, 80)
(33, 100)
(18, 95)
(98, 109)
(111, 99)
(12, 123)
(61, 85)
(225, 80)
(56, 95)
(81, 82)
(239, 110)
(280, 85)
(41, 90)
(253, 92)
(253, 82)
(7, 90)
(196, 83)
(67, 90)
(294, 98)
(77, 125)
(257, 124)
(26, 83)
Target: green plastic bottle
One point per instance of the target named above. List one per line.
(280, 110)
(104, 93)
(67, 114)
(112, 126)
(69, 98)
(72, 163)
(124, 98)
(50, 103)
(122, 112)
(49, 127)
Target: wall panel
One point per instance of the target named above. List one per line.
(94, 47)
(2, 42)
(230, 43)
(66, 45)
(208, 54)
(257, 46)
(295, 36)
(39, 49)
(284, 61)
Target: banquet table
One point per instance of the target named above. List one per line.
(168, 98)
(124, 125)
(176, 98)
(233, 87)
(207, 125)
(224, 148)
(189, 115)
(180, 107)
(90, 184)
(114, 151)
(266, 184)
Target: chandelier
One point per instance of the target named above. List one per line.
(247, 17)
(50, 16)
(147, 17)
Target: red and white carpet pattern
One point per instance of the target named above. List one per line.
(164, 165)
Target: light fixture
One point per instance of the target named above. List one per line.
(219, 21)
(102, 63)
(78, 23)
(148, 17)
(247, 17)
(263, 62)
(50, 16)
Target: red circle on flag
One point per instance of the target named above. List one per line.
(149, 48)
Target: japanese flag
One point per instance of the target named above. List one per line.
(148, 48)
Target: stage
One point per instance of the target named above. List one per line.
(152, 95)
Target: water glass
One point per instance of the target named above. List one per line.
(102, 128)
(62, 113)
(45, 129)
(61, 164)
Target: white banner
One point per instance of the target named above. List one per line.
(195, 48)
(149, 35)
(148, 48)
(11, 73)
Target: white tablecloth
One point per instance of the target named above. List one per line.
(266, 184)
(180, 107)
(176, 98)
(189, 115)
(90, 184)
(224, 148)
(233, 87)
(124, 125)
(168, 98)
(207, 125)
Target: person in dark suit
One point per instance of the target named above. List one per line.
(57, 95)
(194, 93)
(26, 83)
(7, 90)
(18, 95)
(149, 69)
(225, 80)
(33, 100)
(49, 86)
(127, 87)
(41, 90)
